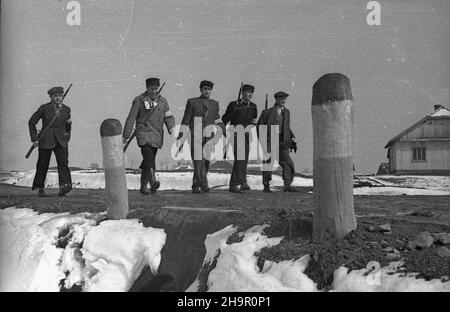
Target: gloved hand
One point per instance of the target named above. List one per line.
(293, 147)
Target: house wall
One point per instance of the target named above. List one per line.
(434, 128)
(434, 135)
(437, 154)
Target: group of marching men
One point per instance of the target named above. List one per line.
(149, 113)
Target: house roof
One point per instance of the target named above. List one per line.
(440, 113)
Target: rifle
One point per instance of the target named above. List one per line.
(41, 133)
(133, 134)
(266, 102)
(225, 135)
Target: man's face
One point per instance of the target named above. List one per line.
(153, 90)
(281, 101)
(247, 95)
(206, 91)
(57, 98)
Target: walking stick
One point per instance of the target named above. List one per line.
(42, 133)
(133, 134)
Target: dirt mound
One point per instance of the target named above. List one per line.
(365, 244)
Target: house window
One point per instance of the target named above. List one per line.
(419, 154)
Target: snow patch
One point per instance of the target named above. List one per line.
(39, 251)
(236, 270)
(169, 180)
(384, 281)
(118, 251)
(388, 185)
(396, 191)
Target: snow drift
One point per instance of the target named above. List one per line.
(236, 270)
(48, 252)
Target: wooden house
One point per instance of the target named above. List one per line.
(423, 148)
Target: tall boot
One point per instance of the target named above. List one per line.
(154, 184)
(144, 182)
(288, 188)
(267, 176)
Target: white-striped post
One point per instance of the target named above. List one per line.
(114, 166)
(332, 117)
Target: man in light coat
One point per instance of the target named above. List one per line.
(150, 111)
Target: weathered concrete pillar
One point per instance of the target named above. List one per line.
(332, 117)
(114, 166)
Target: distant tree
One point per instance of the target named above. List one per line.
(94, 166)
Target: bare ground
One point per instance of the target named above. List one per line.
(187, 218)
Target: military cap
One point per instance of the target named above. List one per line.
(206, 83)
(281, 94)
(152, 82)
(56, 90)
(248, 87)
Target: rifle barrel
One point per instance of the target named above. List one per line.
(225, 143)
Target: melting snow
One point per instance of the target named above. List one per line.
(237, 270)
(92, 179)
(39, 251)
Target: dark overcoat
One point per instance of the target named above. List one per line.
(59, 131)
(206, 109)
(240, 113)
(269, 117)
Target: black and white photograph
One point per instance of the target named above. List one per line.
(240, 148)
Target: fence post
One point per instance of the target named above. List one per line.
(114, 166)
(332, 117)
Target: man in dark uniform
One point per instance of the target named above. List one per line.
(244, 113)
(56, 139)
(150, 111)
(278, 115)
(207, 111)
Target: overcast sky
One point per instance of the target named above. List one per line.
(398, 70)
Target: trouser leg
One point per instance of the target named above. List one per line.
(148, 157)
(62, 159)
(266, 174)
(287, 165)
(148, 169)
(198, 164)
(238, 175)
(245, 162)
(205, 165)
(42, 168)
(205, 170)
(235, 179)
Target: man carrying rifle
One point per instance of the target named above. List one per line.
(279, 116)
(150, 111)
(204, 110)
(55, 138)
(243, 113)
